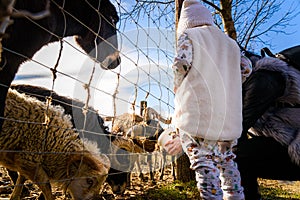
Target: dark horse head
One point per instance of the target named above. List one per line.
(99, 38)
(93, 22)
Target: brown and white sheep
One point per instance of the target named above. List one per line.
(38, 141)
(90, 125)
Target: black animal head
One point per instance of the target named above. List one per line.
(118, 180)
(122, 163)
(99, 38)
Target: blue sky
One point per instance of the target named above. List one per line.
(281, 41)
(75, 64)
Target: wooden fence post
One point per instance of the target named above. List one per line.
(183, 171)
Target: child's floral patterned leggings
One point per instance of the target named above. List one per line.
(216, 171)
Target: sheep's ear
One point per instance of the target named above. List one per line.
(74, 162)
(94, 162)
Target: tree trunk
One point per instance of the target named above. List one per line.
(228, 23)
(178, 4)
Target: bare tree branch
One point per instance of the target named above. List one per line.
(212, 5)
(157, 2)
(248, 21)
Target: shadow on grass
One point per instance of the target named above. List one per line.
(278, 194)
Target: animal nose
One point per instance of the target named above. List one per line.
(112, 61)
(115, 63)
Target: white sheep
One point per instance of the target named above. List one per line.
(38, 141)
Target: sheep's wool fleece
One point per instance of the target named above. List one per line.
(24, 131)
(282, 123)
(208, 103)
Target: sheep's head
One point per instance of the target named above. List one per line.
(124, 122)
(87, 173)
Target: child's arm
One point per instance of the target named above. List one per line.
(183, 59)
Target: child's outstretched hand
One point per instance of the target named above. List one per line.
(173, 147)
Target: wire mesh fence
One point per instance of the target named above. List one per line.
(81, 73)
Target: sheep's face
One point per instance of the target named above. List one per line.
(88, 173)
(87, 188)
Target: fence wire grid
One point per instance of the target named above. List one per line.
(146, 41)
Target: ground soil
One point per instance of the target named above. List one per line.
(137, 186)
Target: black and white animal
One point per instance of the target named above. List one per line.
(93, 22)
(117, 149)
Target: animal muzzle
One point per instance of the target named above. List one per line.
(111, 61)
(119, 189)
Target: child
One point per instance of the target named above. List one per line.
(208, 101)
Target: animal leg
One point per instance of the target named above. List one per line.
(46, 189)
(16, 194)
(149, 159)
(141, 176)
(156, 165)
(163, 162)
(42, 180)
(173, 167)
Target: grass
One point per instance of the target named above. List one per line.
(176, 190)
(279, 190)
(270, 189)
